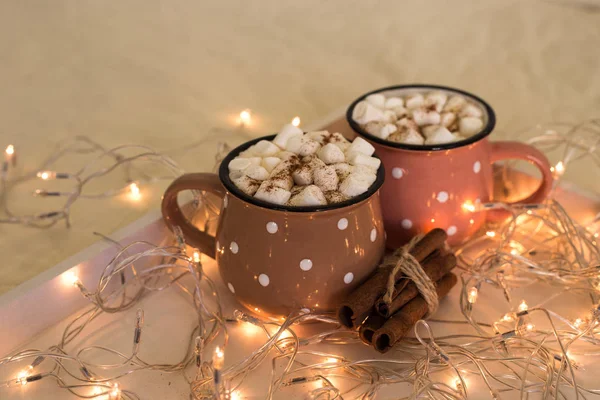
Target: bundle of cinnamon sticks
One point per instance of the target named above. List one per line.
(382, 324)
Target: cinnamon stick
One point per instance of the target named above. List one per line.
(404, 319)
(369, 327)
(435, 266)
(356, 307)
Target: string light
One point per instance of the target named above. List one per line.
(22, 377)
(472, 295)
(245, 117)
(559, 169)
(468, 206)
(296, 121)
(235, 395)
(10, 150)
(530, 327)
(115, 392)
(507, 318)
(196, 256)
(523, 306)
(491, 234)
(70, 278)
(218, 358)
(46, 175)
(332, 360)
(578, 322)
(134, 191)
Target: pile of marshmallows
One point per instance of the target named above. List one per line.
(419, 119)
(312, 169)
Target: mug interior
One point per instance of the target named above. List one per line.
(231, 188)
(489, 117)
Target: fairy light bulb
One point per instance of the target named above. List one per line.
(332, 360)
(296, 121)
(491, 234)
(458, 384)
(22, 377)
(523, 306)
(530, 327)
(9, 154)
(245, 117)
(472, 295)
(559, 168)
(507, 318)
(196, 256)
(134, 190)
(468, 206)
(235, 395)
(218, 358)
(578, 322)
(115, 392)
(46, 175)
(70, 278)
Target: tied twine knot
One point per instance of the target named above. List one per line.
(406, 263)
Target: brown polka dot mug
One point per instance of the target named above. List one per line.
(276, 259)
(428, 186)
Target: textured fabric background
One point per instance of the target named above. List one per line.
(163, 73)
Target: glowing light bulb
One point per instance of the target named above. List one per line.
(514, 251)
(332, 360)
(472, 295)
(218, 358)
(559, 169)
(596, 234)
(10, 150)
(523, 306)
(296, 121)
(196, 257)
(22, 377)
(245, 117)
(491, 234)
(578, 322)
(432, 220)
(471, 221)
(235, 395)
(134, 190)
(70, 278)
(46, 175)
(458, 384)
(468, 206)
(507, 318)
(530, 327)
(115, 392)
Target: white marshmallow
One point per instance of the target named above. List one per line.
(333, 196)
(455, 103)
(407, 124)
(269, 163)
(318, 136)
(400, 112)
(409, 136)
(373, 127)
(437, 100)
(447, 119)
(309, 196)
(256, 172)
(288, 131)
(429, 130)
(303, 176)
(440, 136)
(389, 116)
(387, 130)
(286, 166)
(414, 101)
(377, 99)
(394, 102)
(366, 112)
(424, 117)
(284, 155)
(354, 185)
(247, 184)
(371, 175)
(272, 194)
(239, 164)
(360, 145)
(361, 159)
(331, 154)
(264, 148)
(343, 170)
(233, 175)
(302, 146)
(470, 125)
(471, 110)
(313, 161)
(326, 178)
(282, 180)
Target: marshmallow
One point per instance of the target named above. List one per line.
(373, 127)
(471, 110)
(407, 123)
(302, 146)
(409, 136)
(455, 104)
(470, 125)
(436, 100)
(366, 112)
(387, 130)
(326, 178)
(313, 161)
(318, 136)
(273, 194)
(377, 99)
(286, 133)
(239, 164)
(447, 119)
(414, 101)
(285, 155)
(424, 117)
(303, 175)
(440, 136)
(429, 130)
(342, 170)
(334, 196)
(360, 145)
(393, 102)
(247, 184)
(389, 116)
(330, 154)
(269, 163)
(369, 173)
(264, 148)
(282, 180)
(233, 175)
(400, 112)
(256, 172)
(309, 196)
(361, 159)
(286, 166)
(354, 185)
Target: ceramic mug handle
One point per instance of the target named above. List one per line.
(174, 217)
(522, 151)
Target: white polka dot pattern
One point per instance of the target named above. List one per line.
(306, 264)
(231, 288)
(477, 167)
(442, 197)
(451, 230)
(407, 223)
(264, 280)
(373, 234)
(397, 173)
(348, 278)
(234, 247)
(272, 227)
(342, 224)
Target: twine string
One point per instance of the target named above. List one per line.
(406, 263)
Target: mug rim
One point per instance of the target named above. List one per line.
(486, 130)
(231, 188)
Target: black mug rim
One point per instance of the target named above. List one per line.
(231, 188)
(487, 129)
